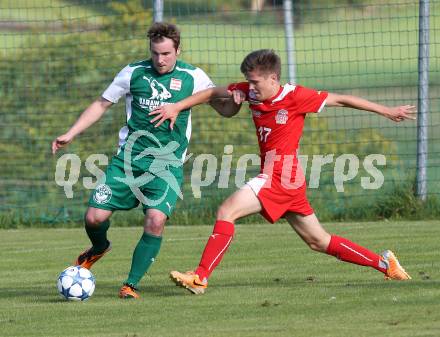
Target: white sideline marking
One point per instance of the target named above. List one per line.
(19, 251)
(184, 239)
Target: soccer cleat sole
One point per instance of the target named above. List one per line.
(128, 297)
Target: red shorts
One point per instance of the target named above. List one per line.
(277, 199)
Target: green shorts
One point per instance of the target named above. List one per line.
(156, 193)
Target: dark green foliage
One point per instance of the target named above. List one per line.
(55, 74)
(46, 86)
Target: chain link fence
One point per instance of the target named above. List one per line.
(58, 56)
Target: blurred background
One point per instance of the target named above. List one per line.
(57, 56)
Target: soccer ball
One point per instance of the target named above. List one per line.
(76, 283)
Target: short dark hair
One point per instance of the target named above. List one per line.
(264, 60)
(160, 30)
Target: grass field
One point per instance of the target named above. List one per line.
(269, 284)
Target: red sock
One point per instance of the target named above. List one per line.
(348, 251)
(215, 248)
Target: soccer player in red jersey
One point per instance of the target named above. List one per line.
(279, 191)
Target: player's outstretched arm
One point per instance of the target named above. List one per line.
(90, 115)
(171, 111)
(230, 106)
(397, 113)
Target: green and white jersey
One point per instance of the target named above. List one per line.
(145, 89)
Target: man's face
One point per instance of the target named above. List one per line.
(164, 55)
(263, 85)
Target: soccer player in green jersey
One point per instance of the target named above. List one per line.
(148, 165)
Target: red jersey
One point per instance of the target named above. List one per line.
(279, 120)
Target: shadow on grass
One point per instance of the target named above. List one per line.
(107, 290)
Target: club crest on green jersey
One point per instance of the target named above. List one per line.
(103, 194)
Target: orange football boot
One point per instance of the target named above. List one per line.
(128, 291)
(394, 270)
(189, 281)
(86, 259)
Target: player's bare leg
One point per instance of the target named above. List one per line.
(96, 225)
(95, 216)
(241, 203)
(145, 252)
(310, 230)
(316, 237)
(154, 222)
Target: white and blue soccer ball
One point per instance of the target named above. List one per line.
(76, 283)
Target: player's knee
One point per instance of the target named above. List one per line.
(224, 212)
(317, 244)
(93, 220)
(154, 224)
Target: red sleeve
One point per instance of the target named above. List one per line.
(309, 100)
(243, 86)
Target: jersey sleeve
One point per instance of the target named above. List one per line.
(120, 85)
(309, 100)
(201, 81)
(242, 86)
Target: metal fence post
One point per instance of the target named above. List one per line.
(423, 100)
(158, 10)
(290, 43)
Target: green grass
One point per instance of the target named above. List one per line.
(269, 284)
